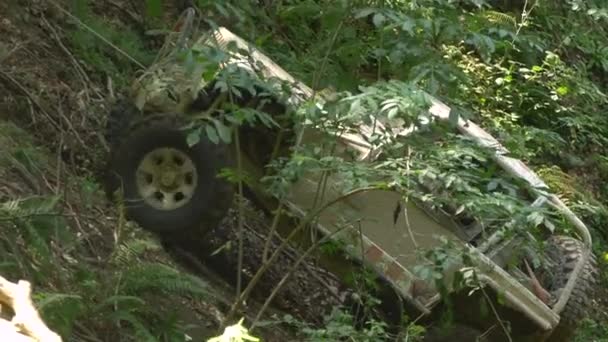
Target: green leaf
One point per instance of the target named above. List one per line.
(267, 120)
(563, 90)
(193, 137)
(493, 185)
(392, 113)
(41, 204)
(122, 301)
(210, 71)
(500, 298)
(53, 298)
(378, 19)
(190, 63)
(536, 218)
(212, 134)
(408, 25)
(225, 133)
(364, 13)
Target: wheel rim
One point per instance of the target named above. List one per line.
(166, 178)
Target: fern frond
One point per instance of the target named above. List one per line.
(50, 299)
(499, 18)
(124, 302)
(142, 333)
(159, 277)
(34, 205)
(129, 251)
(10, 206)
(562, 183)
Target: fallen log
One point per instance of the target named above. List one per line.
(26, 325)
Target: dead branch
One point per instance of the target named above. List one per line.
(26, 324)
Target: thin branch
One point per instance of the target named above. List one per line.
(17, 47)
(496, 315)
(88, 28)
(273, 228)
(241, 209)
(303, 222)
(317, 76)
(30, 96)
(289, 273)
(407, 197)
(83, 75)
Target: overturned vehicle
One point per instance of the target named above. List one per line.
(165, 167)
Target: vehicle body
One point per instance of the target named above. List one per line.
(379, 247)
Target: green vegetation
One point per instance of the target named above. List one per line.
(87, 290)
(532, 73)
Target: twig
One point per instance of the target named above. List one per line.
(488, 331)
(303, 222)
(84, 78)
(129, 57)
(79, 225)
(241, 228)
(273, 228)
(31, 97)
(16, 48)
(310, 269)
(361, 242)
(59, 165)
(317, 76)
(55, 124)
(90, 335)
(110, 87)
(525, 14)
(407, 333)
(26, 175)
(496, 315)
(407, 197)
(289, 273)
(131, 13)
(21, 217)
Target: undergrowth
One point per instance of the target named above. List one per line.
(82, 293)
(533, 73)
(101, 58)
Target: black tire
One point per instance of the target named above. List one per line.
(212, 196)
(122, 114)
(563, 253)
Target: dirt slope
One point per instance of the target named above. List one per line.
(53, 108)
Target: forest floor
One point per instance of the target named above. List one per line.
(53, 106)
